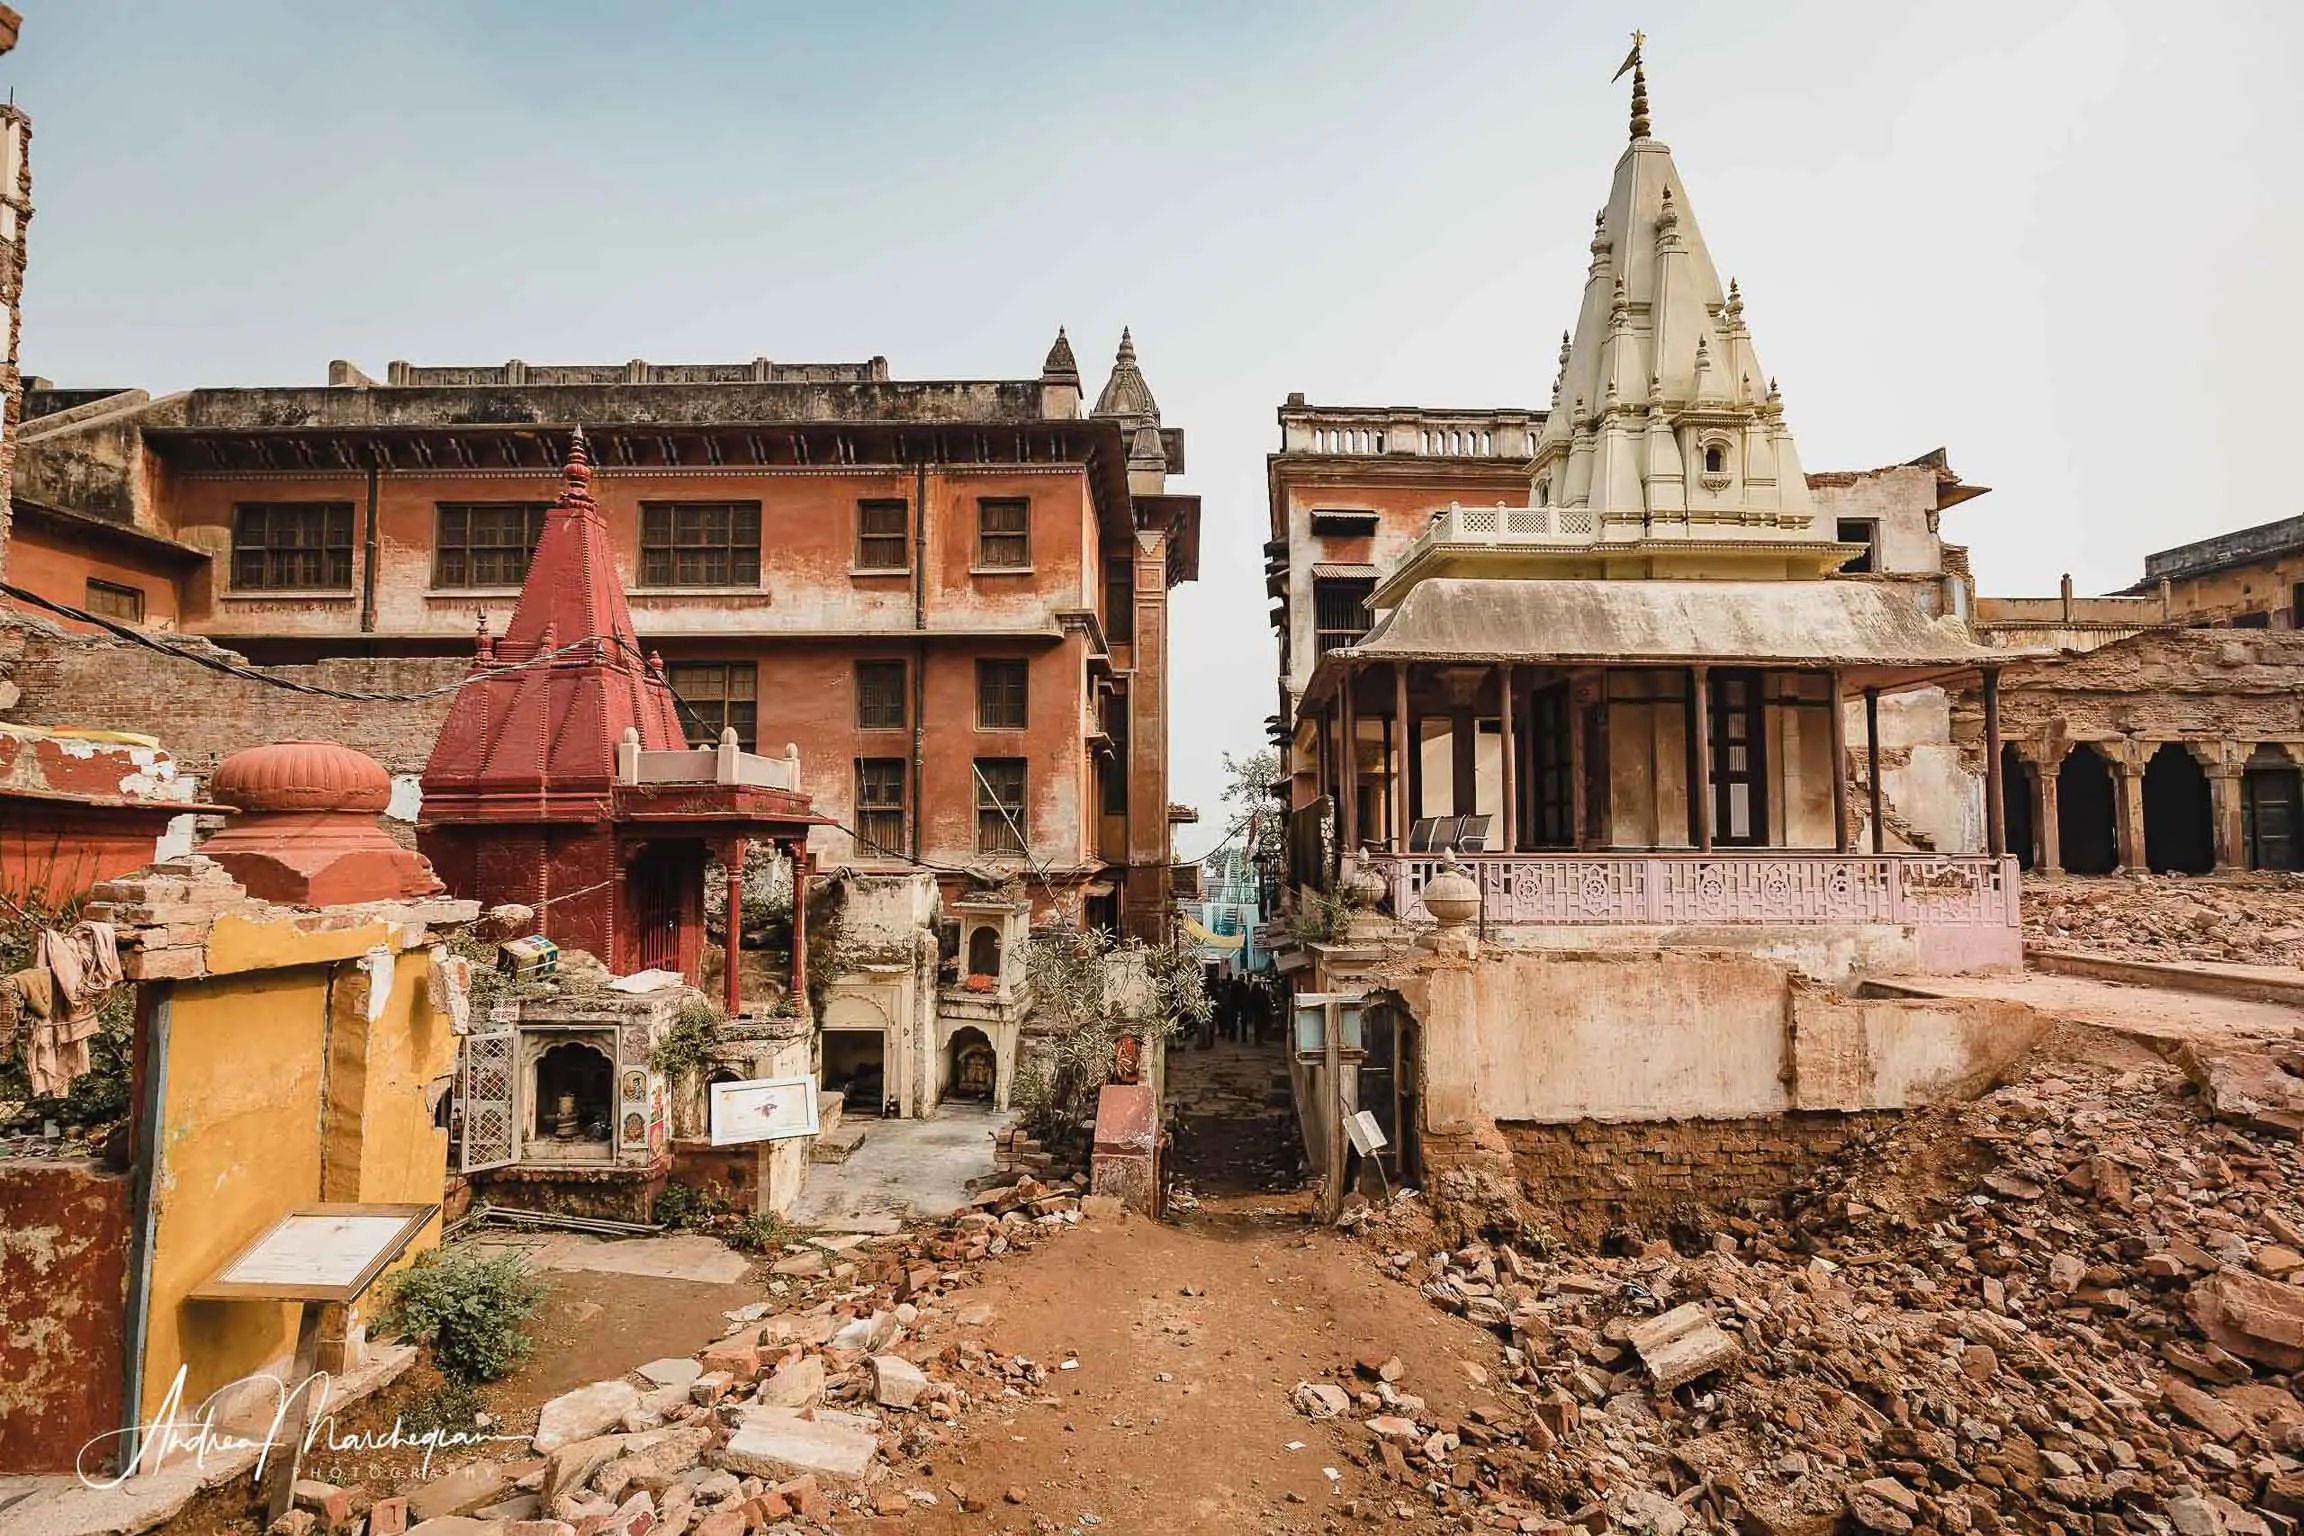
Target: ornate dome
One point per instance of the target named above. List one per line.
(302, 776)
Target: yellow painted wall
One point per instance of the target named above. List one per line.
(246, 1136)
(239, 1144)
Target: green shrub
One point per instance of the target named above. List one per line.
(684, 1205)
(469, 1310)
(757, 1234)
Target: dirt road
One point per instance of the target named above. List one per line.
(1177, 1418)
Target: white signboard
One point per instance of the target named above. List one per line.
(763, 1109)
(1367, 1136)
(318, 1253)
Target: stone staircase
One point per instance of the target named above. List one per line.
(836, 1136)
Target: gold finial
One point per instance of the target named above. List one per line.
(1639, 85)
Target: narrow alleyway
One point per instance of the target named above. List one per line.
(1234, 1124)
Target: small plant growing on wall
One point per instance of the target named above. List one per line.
(470, 1311)
(683, 1052)
(1087, 993)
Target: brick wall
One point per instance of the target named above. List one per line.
(1596, 1175)
(203, 716)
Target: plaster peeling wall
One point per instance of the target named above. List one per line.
(1934, 802)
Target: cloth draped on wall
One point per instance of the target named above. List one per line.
(57, 997)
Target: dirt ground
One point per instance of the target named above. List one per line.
(1190, 1337)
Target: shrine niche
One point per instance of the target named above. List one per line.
(571, 1097)
(974, 1068)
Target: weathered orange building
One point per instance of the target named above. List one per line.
(953, 595)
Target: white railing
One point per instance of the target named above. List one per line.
(1759, 886)
(1512, 525)
(1497, 434)
(726, 763)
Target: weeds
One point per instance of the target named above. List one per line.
(470, 1311)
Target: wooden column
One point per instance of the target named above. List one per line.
(1700, 781)
(1348, 764)
(1841, 842)
(1577, 810)
(799, 924)
(1403, 742)
(1995, 808)
(1511, 843)
(1872, 768)
(731, 959)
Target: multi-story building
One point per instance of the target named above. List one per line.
(952, 594)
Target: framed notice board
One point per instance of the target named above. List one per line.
(325, 1253)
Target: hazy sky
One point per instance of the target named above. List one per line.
(2063, 239)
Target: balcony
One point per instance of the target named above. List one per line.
(724, 763)
(1760, 886)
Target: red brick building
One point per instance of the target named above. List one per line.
(951, 595)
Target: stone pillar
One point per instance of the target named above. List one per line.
(1700, 782)
(1504, 683)
(2230, 837)
(2128, 811)
(2047, 829)
(1403, 743)
(1995, 810)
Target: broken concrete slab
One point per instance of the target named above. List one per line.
(1321, 1400)
(584, 1413)
(688, 1256)
(672, 1373)
(797, 1385)
(780, 1442)
(1683, 1344)
(462, 1491)
(2261, 1089)
(896, 1381)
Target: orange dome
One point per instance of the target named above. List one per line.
(302, 776)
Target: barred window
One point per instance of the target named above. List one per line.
(879, 695)
(1340, 613)
(718, 695)
(486, 543)
(1002, 695)
(700, 544)
(999, 805)
(882, 541)
(880, 823)
(292, 546)
(114, 601)
(1004, 534)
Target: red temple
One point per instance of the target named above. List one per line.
(562, 779)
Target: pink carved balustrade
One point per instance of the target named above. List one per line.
(1761, 886)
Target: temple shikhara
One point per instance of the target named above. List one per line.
(562, 779)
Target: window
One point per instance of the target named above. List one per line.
(2296, 606)
(882, 540)
(880, 805)
(1340, 613)
(1001, 695)
(879, 695)
(999, 804)
(717, 695)
(2257, 620)
(1004, 535)
(486, 543)
(116, 602)
(1120, 600)
(292, 546)
(1715, 460)
(700, 544)
(1859, 531)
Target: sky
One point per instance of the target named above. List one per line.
(2063, 239)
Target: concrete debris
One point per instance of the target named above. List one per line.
(1682, 1345)
(2263, 1090)
(896, 1381)
(2067, 1305)
(2165, 919)
(583, 1413)
(777, 1442)
(1321, 1400)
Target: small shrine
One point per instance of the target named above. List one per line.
(562, 780)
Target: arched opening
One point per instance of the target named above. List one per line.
(1388, 1087)
(972, 1067)
(856, 1068)
(1715, 459)
(2084, 813)
(574, 1086)
(2179, 818)
(2016, 798)
(2271, 803)
(984, 951)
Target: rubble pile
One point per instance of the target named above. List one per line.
(2255, 919)
(860, 1360)
(2074, 1305)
